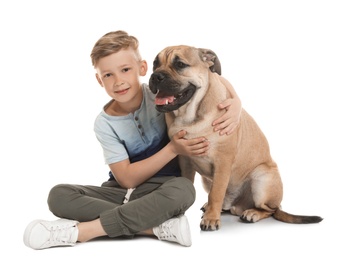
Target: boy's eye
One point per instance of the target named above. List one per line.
(126, 69)
(107, 75)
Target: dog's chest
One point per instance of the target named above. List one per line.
(194, 129)
(203, 165)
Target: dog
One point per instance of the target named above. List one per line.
(238, 172)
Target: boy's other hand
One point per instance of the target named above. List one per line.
(189, 147)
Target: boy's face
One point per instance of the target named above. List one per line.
(119, 74)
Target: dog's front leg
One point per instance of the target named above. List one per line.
(211, 217)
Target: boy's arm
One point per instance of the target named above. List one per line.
(227, 123)
(130, 175)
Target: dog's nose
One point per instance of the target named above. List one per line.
(157, 77)
(153, 83)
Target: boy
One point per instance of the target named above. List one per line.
(145, 193)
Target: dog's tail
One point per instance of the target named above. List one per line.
(295, 219)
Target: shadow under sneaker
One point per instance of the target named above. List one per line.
(41, 234)
(175, 230)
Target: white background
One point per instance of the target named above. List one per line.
(280, 56)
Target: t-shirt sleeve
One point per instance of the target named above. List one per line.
(113, 148)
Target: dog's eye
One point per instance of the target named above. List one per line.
(180, 65)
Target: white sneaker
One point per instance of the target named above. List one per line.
(40, 234)
(175, 230)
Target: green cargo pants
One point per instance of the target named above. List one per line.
(150, 204)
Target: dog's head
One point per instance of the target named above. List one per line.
(180, 74)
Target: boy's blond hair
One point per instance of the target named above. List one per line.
(113, 42)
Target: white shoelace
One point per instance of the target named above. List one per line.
(61, 235)
(165, 230)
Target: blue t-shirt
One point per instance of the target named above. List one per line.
(136, 136)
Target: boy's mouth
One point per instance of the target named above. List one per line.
(123, 91)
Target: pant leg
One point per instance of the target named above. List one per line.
(84, 203)
(167, 198)
(151, 204)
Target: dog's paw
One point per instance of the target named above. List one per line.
(210, 224)
(246, 220)
(250, 216)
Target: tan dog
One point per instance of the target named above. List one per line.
(238, 172)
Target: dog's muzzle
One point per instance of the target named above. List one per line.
(170, 94)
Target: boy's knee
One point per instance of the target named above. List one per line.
(56, 196)
(187, 189)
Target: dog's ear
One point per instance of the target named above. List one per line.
(212, 59)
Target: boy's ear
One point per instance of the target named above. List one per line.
(143, 68)
(99, 80)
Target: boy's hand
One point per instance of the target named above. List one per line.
(189, 147)
(227, 123)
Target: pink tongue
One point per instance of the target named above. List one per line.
(164, 100)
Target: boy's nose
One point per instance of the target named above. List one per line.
(118, 84)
